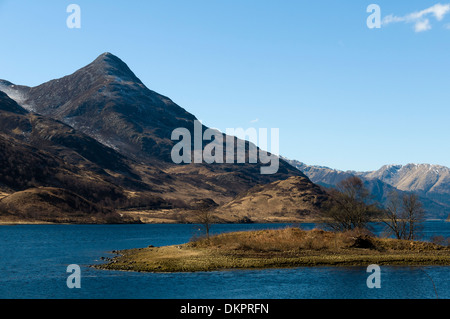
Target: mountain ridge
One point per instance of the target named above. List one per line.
(434, 193)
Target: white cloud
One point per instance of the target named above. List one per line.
(422, 26)
(438, 10)
(420, 18)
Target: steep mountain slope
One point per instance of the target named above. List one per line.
(9, 105)
(61, 141)
(105, 100)
(40, 152)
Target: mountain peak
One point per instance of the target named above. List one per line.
(109, 58)
(107, 54)
(110, 65)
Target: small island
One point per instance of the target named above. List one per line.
(279, 248)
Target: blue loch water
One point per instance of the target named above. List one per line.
(34, 260)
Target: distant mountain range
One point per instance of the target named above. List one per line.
(430, 182)
(78, 148)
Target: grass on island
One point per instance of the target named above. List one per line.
(282, 248)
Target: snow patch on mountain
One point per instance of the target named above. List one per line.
(16, 95)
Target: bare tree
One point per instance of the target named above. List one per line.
(415, 215)
(404, 216)
(350, 206)
(391, 217)
(205, 216)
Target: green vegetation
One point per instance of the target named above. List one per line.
(289, 247)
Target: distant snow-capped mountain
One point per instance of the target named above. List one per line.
(430, 182)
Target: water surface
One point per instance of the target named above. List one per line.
(34, 259)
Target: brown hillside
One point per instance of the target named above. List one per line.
(293, 199)
(53, 205)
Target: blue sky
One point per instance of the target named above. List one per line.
(342, 95)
